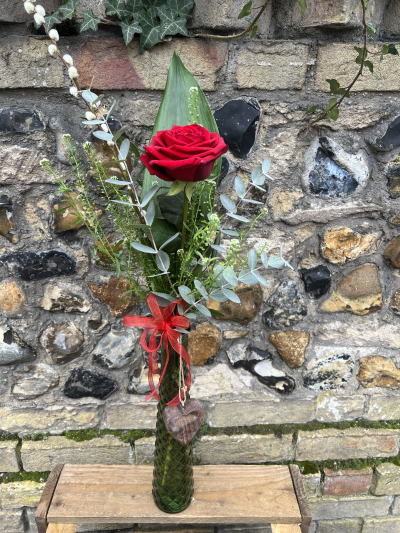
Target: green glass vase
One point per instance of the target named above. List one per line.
(173, 464)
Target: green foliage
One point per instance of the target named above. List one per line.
(67, 11)
(246, 11)
(171, 23)
(51, 20)
(90, 22)
(129, 29)
(303, 6)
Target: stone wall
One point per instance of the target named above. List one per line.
(305, 370)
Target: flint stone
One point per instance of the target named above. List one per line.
(111, 293)
(110, 244)
(343, 245)
(11, 297)
(291, 346)
(63, 342)
(386, 480)
(285, 307)
(332, 172)
(391, 139)
(395, 302)
(34, 381)
(204, 343)
(392, 252)
(139, 381)
(116, 349)
(327, 214)
(30, 266)
(55, 299)
(95, 320)
(237, 123)
(360, 293)
(328, 372)
(235, 334)
(65, 220)
(82, 383)
(251, 297)
(393, 176)
(20, 120)
(12, 348)
(21, 165)
(221, 379)
(317, 280)
(378, 372)
(7, 226)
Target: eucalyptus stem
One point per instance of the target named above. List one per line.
(185, 216)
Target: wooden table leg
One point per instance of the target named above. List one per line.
(61, 528)
(285, 528)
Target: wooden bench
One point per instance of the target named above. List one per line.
(229, 494)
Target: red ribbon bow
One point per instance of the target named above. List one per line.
(164, 322)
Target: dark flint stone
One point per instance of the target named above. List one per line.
(391, 139)
(13, 349)
(82, 383)
(261, 367)
(327, 178)
(285, 308)
(95, 320)
(317, 280)
(19, 120)
(224, 169)
(30, 266)
(237, 123)
(393, 176)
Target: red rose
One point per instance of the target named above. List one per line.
(184, 153)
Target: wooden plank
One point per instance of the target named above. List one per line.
(285, 528)
(45, 500)
(61, 528)
(301, 498)
(228, 494)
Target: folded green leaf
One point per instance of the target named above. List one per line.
(169, 240)
(119, 133)
(124, 149)
(303, 6)
(149, 196)
(253, 32)
(176, 187)
(150, 213)
(164, 258)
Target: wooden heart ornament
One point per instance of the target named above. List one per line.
(184, 422)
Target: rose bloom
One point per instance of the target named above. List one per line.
(183, 153)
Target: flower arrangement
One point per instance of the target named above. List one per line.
(168, 242)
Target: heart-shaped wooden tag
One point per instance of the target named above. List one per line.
(184, 422)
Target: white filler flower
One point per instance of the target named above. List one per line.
(38, 19)
(90, 116)
(52, 49)
(110, 143)
(68, 59)
(72, 72)
(104, 127)
(29, 7)
(53, 34)
(40, 10)
(74, 91)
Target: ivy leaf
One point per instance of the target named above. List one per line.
(90, 22)
(181, 8)
(68, 10)
(312, 109)
(246, 10)
(170, 24)
(303, 6)
(151, 30)
(116, 7)
(133, 7)
(50, 20)
(253, 32)
(393, 50)
(152, 4)
(335, 87)
(370, 65)
(360, 54)
(129, 29)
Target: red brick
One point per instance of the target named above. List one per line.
(347, 482)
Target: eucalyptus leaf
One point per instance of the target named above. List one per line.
(149, 195)
(185, 292)
(231, 295)
(163, 231)
(157, 275)
(164, 258)
(104, 136)
(228, 203)
(230, 232)
(218, 248)
(200, 287)
(93, 122)
(203, 310)
(165, 296)
(240, 187)
(238, 217)
(142, 248)
(260, 278)
(252, 201)
(124, 203)
(252, 259)
(124, 148)
(117, 182)
(150, 213)
(264, 259)
(276, 262)
(230, 276)
(174, 111)
(169, 240)
(218, 296)
(245, 276)
(266, 165)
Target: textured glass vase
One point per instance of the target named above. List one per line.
(173, 464)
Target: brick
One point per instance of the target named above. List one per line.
(117, 66)
(346, 444)
(8, 456)
(333, 408)
(13, 10)
(26, 62)
(50, 420)
(245, 412)
(340, 59)
(384, 407)
(20, 494)
(381, 525)
(223, 15)
(333, 507)
(136, 414)
(144, 450)
(386, 480)
(351, 525)
(275, 65)
(140, 112)
(346, 482)
(44, 455)
(12, 522)
(231, 449)
(21, 165)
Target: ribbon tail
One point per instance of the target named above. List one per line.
(154, 393)
(180, 349)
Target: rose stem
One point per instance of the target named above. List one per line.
(185, 215)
